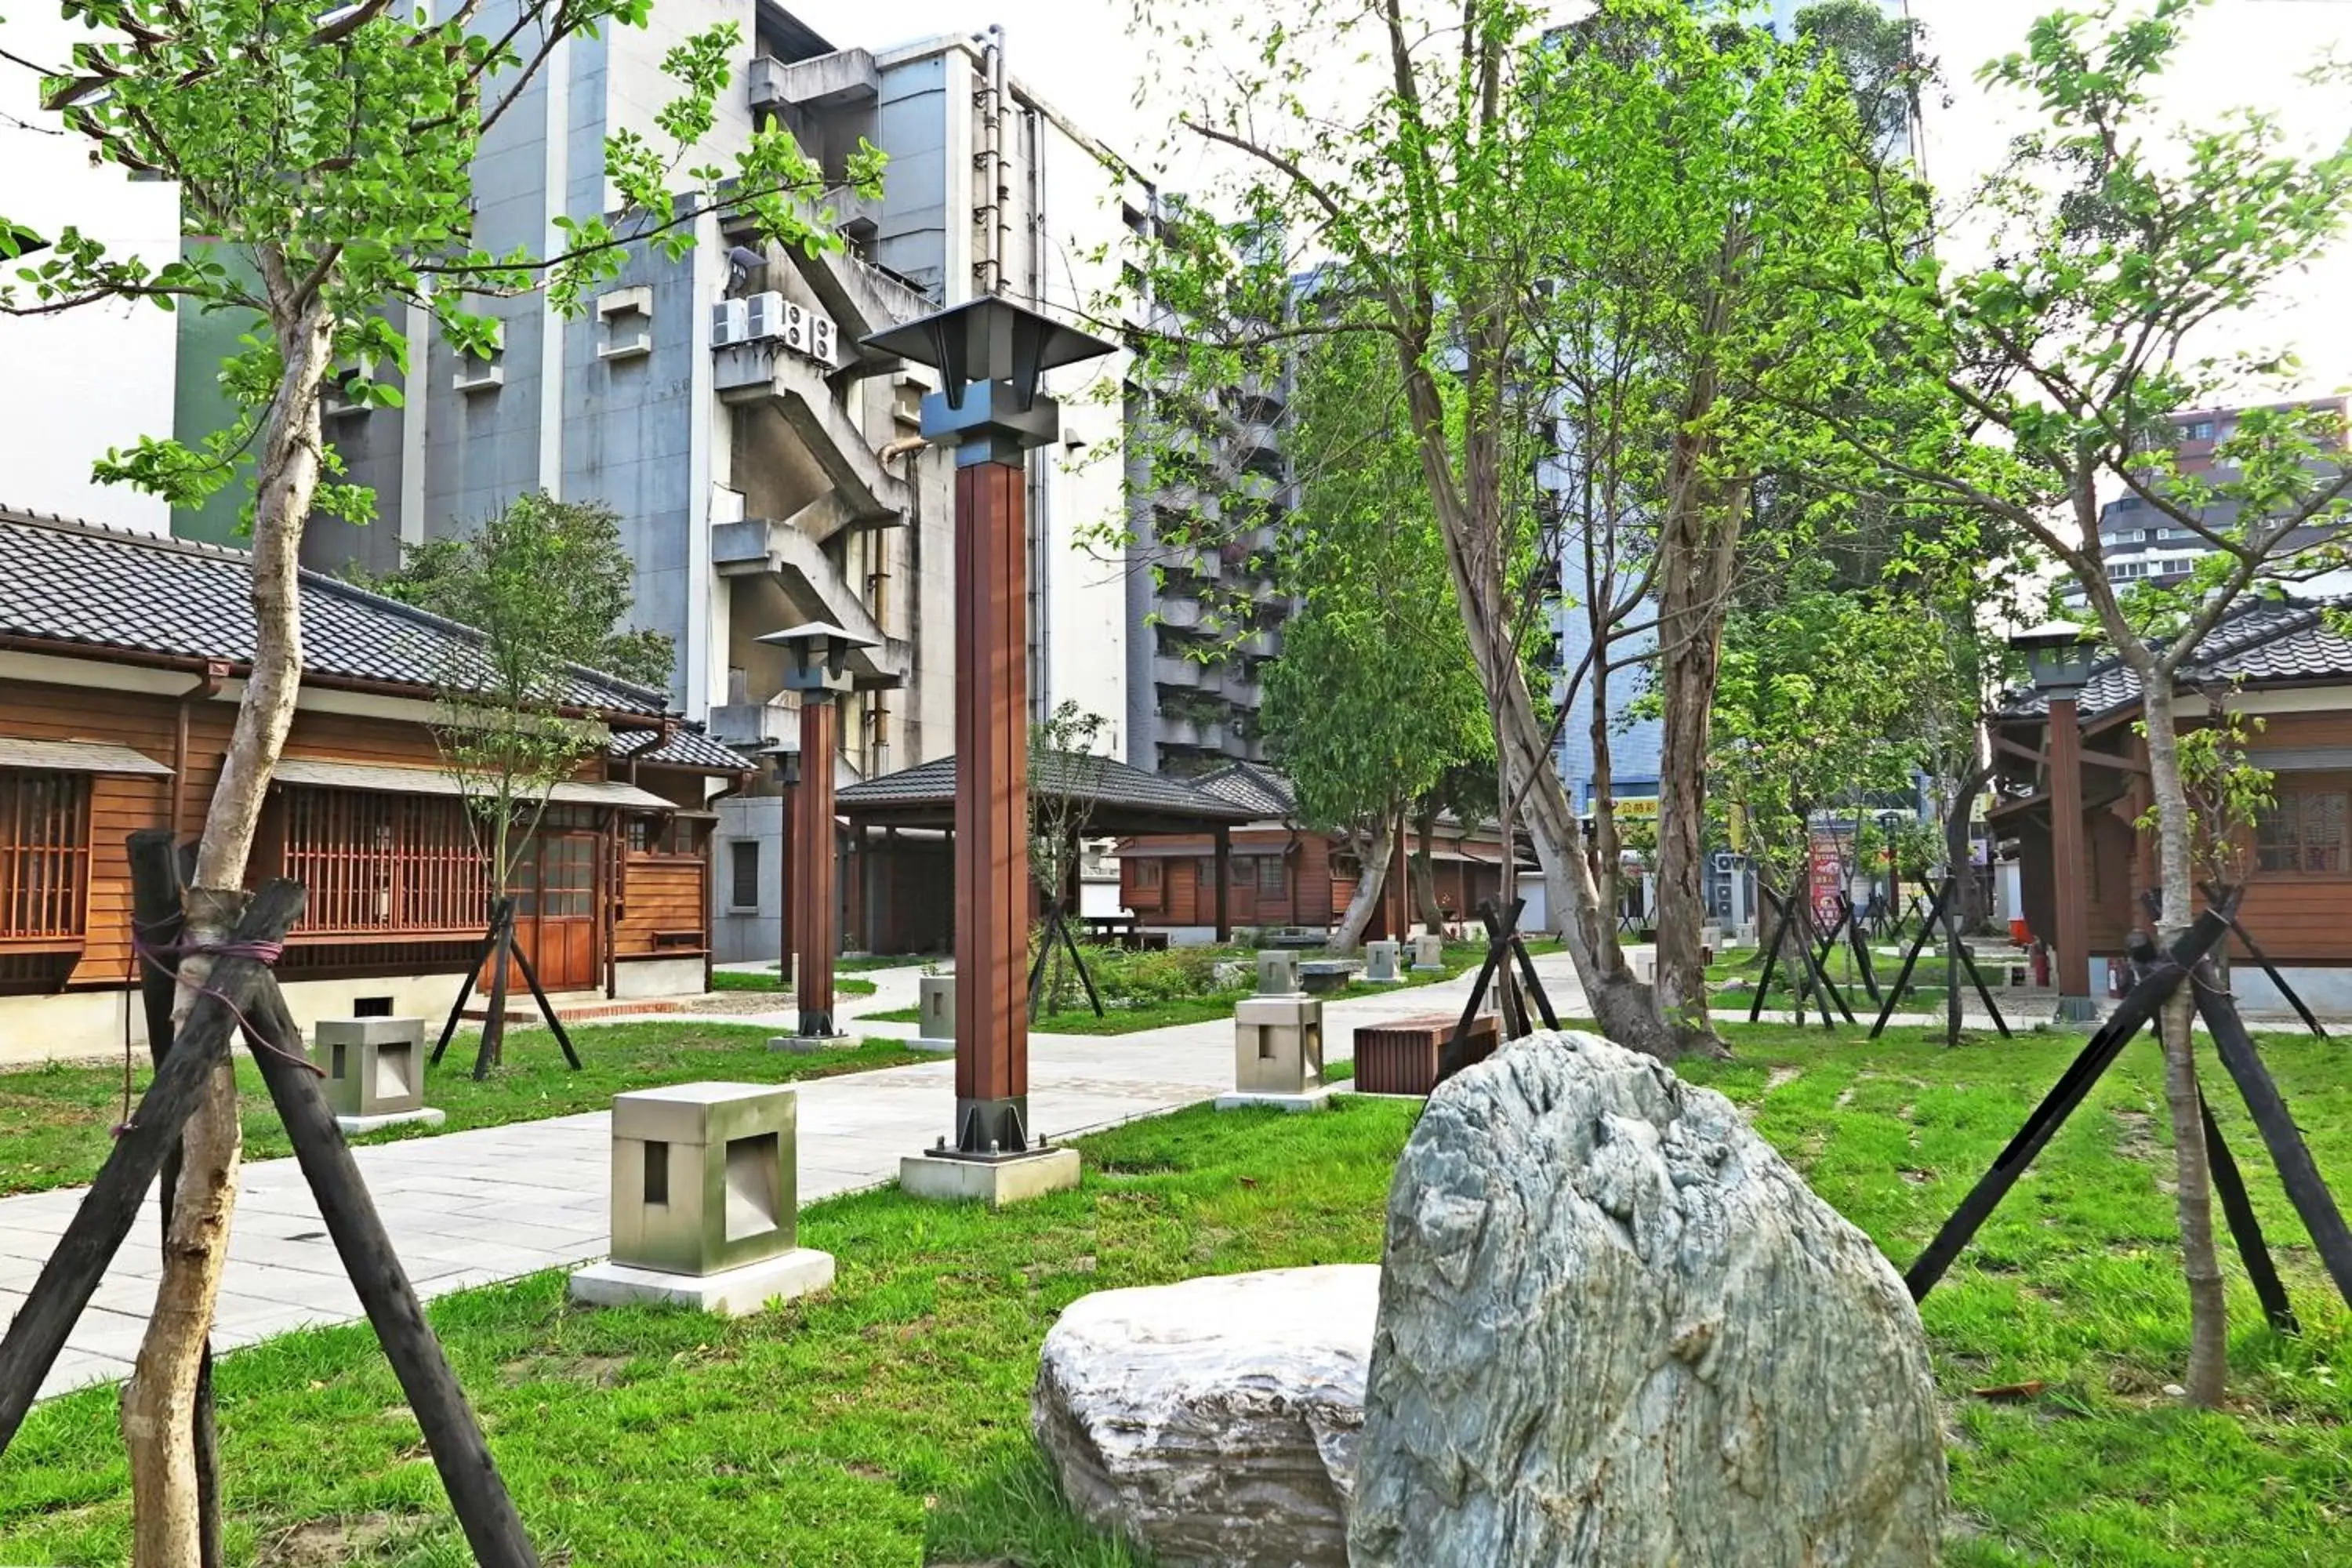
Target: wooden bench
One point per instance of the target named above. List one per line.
(1401, 1056)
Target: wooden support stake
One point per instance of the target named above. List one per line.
(465, 994)
(1910, 959)
(95, 1233)
(494, 1022)
(476, 1494)
(158, 872)
(2244, 1228)
(2131, 1016)
(1451, 1060)
(546, 1007)
(1772, 953)
(2219, 896)
(2298, 1173)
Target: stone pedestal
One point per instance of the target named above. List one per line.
(1645, 968)
(375, 1071)
(1428, 953)
(946, 1176)
(808, 1044)
(935, 1013)
(1277, 973)
(1381, 966)
(704, 1201)
(1277, 1055)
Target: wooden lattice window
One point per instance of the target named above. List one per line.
(2304, 831)
(1270, 875)
(383, 863)
(44, 857)
(1146, 874)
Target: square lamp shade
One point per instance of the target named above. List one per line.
(816, 656)
(2058, 655)
(990, 339)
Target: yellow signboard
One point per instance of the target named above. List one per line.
(1635, 807)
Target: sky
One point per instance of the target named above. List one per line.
(1079, 55)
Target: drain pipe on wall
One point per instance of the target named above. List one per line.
(991, 210)
(1040, 489)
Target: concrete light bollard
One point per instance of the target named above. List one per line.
(1277, 973)
(935, 1013)
(1277, 1042)
(375, 1071)
(706, 1201)
(1382, 966)
(1428, 953)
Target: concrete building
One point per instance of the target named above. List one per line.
(86, 380)
(2140, 544)
(1213, 492)
(766, 468)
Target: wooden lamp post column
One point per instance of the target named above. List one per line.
(990, 354)
(2060, 656)
(816, 667)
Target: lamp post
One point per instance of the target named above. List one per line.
(2059, 656)
(816, 660)
(990, 354)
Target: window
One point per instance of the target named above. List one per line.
(2197, 430)
(2302, 833)
(661, 835)
(1204, 875)
(1146, 874)
(375, 862)
(44, 854)
(1270, 877)
(743, 867)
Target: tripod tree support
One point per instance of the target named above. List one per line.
(1058, 930)
(2219, 896)
(499, 948)
(1792, 911)
(1504, 944)
(159, 870)
(2244, 1228)
(2131, 1016)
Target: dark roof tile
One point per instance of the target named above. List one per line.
(2266, 642)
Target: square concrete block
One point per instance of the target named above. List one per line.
(1428, 953)
(1010, 1180)
(1277, 973)
(1315, 1099)
(1381, 967)
(705, 1176)
(374, 1067)
(935, 1013)
(1277, 1045)
(1645, 968)
(738, 1292)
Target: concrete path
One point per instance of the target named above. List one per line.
(468, 1208)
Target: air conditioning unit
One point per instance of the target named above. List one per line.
(795, 327)
(729, 323)
(764, 316)
(823, 336)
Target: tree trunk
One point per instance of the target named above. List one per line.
(2209, 1336)
(1523, 764)
(159, 1400)
(1370, 880)
(1696, 554)
(1424, 871)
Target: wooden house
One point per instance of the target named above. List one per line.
(122, 656)
(2278, 662)
(1278, 873)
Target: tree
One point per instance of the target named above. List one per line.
(1373, 702)
(546, 584)
(1499, 165)
(1061, 751)
(2063, 362)
(333, 159)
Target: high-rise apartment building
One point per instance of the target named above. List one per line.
(765, 467)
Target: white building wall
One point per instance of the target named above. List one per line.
(88, 380)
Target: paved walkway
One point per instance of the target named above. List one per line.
(468, 1208)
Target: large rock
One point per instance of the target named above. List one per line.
(1214, 1421)
(1615, 1328)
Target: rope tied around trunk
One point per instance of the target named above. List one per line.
(161, 957)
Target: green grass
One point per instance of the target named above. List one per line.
(753, 980)
(887, 1424)
(1133, 1014)
(54, 1120)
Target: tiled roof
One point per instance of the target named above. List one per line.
(687, 747)
(79, 583)
(2269, 642)
(1106, 782)
(1260, 790)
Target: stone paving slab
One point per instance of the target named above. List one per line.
(470, 1208)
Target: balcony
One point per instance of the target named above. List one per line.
(1176, 730)
(829, 81)
(1187, 673)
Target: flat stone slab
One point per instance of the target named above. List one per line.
(1315, 1099)
(737, 1292)
(425, 1116)
(937, 1048)
(1214, 1421)
(809, 1044)
(992, 1182)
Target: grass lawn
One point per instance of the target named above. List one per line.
(887, 1424)
(1133, 1015)
(753, 980)
(54, 1120)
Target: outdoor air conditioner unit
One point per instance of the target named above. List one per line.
(765, 315)
(728, 323)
